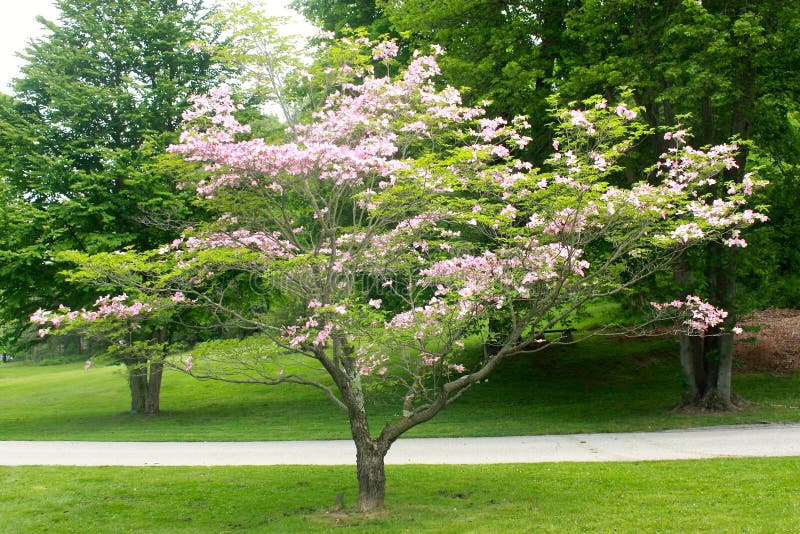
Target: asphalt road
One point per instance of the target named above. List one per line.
(711, 442)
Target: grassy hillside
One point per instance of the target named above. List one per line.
(606, 385)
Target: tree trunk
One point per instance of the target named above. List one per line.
(370, 452)
(707, 365)
(707, 360)
(725, 369)
(371, 476)
(153, 398)
(137, 376)
(145, 387)
(693, 364)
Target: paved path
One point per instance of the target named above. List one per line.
(712, 442)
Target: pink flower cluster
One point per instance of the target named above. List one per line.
(371, 363)
(385, 51)
(271, 244)
(512, 273)
(105, 307)
(701, 315)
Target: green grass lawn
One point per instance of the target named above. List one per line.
(730, 495)
(606, 385)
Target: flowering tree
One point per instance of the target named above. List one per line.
(399, 222)
(134, 333)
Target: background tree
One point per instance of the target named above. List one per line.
(132, 334)
(340, 16)
(721, 70)
(504, 52)
(99, 99)
(107, 77)
(261, 60)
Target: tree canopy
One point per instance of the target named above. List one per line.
(97, 101)
(366, 227)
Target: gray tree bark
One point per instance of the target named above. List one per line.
(145, 385)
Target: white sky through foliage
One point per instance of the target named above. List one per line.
(18, 25)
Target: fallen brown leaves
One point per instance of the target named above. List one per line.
(770, 342)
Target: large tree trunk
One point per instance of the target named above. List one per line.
(369, 452)
(707, 360)
(137, 377)
(707, 365)
(371, 475)
(145, 385)
(153, 399)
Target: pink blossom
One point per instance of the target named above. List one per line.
(509, 211)
(700, 315)
(40, 316)
(623, 111)
(385, 51)
(578, 118)
(599, 161)
(323, 335)
(686, 232)
(429, 359)
(735, 240)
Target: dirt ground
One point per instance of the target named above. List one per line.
(770, 341)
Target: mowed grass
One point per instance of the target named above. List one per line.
(728, 495)
(605, 385)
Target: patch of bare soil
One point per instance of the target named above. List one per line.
(770, 342)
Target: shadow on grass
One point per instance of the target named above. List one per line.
(601, 385)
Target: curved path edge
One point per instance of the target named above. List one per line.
(761, 440)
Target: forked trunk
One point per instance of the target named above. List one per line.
(145, 385)
(707, 365)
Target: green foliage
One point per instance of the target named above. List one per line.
(260, 59)
(80, 166)
(505, 53)
(721, 69)
(339, 16)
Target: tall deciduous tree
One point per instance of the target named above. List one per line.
(721, 69)
(99, 98)
(339, 16)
